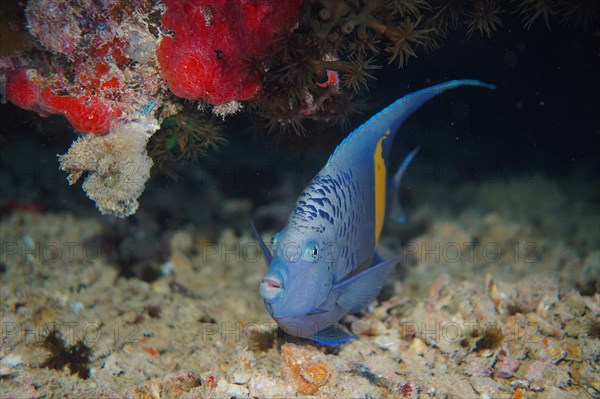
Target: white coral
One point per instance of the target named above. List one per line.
(229, 108)
(117, 164)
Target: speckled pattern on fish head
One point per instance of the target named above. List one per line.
(324, 263)
(313, 251)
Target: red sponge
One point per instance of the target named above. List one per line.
(216, 42)
(22, 88)
(87, 113)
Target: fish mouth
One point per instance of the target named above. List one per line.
(271, 288)
(271, 283)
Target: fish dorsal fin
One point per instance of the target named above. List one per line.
(366, 137)
(369, 145)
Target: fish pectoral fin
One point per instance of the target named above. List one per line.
(315, 311)
(358, 291)
(396, 212)
(264, 247)
(332, 335)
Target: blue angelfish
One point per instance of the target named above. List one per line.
(324, 263)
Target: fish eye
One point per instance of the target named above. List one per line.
(312, 252)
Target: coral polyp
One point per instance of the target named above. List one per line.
(484, 18)
(404, 39)
(530, 10)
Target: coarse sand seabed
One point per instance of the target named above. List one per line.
(497, 297)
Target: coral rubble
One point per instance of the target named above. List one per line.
(472, 326)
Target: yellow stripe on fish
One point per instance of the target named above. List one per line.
(380, 185)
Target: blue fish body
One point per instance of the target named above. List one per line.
(324, 263)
